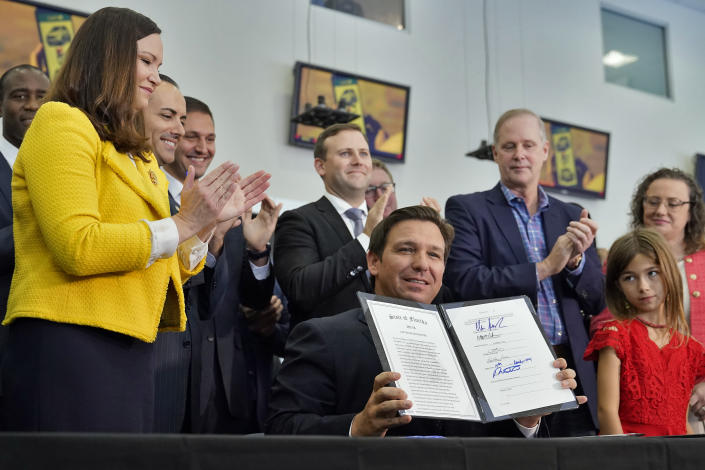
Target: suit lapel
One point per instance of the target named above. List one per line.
(502, 213)
(334, 219)
(149, 184)
(365, 329)
(5, 190)
(553, 226)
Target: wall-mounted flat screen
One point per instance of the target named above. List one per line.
(36, 34)
(382, 106)
(577, 160)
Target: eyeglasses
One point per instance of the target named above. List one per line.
(382, 187)
(672, 203)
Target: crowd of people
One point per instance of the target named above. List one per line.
(141, 294)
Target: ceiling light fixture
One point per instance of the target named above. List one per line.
(618, 59)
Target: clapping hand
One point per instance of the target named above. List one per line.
(203, 200)
(569, 247)
(428, 201)
(250, 191)
(258, 231)
(376, 212)
(581, 233)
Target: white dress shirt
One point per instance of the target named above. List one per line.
(341, 206)
(8, 150)
(165, 241)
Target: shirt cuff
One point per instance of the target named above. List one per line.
(538, 281)
(260, 272)
(364, 240)
(192, 251)
(165, 239)
(529, 433)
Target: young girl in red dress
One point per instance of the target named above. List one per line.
(647, 361)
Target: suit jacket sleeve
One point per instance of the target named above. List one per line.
(306, 277)
(275, 342)
(470, 271)
(231, 281)
(589, 286)
(278, 339)
(304, 396)
(7, 244)
(255, 293)
(7, 250)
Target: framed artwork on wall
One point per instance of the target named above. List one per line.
(577, 160)
(382, 107)
(37, 34)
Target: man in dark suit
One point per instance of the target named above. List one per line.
(320, 247)
(514, 240)
(331, 363)
(214, 376)
(21, 90)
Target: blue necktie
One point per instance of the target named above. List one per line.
(355, 215)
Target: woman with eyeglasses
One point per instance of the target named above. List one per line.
(671, 202)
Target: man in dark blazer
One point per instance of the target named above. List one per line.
(21, 90)
(229, 394)
(214, 376)
(320, 247)
(514, 240)
(331, 363)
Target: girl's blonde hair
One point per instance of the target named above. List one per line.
(651, 244)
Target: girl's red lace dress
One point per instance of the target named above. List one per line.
(654, 384)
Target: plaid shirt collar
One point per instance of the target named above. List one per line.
(517, 202)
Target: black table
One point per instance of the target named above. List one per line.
(113, 451)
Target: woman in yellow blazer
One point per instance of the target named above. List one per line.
(97, 268)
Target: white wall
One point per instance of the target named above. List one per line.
(545, 55)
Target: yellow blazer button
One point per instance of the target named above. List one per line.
(689, 259)
(696, 294)
(693, 276)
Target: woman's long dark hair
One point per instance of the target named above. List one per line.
(99, 76)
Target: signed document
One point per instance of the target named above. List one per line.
(478, 361)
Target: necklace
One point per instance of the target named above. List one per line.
(652, 325)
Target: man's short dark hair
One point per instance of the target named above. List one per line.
(378, 239)
(319, 150)
(168, 79)
(194, 105)
(17, 68)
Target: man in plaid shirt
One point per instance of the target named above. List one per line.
(516, 240)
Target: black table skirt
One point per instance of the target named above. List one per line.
(123, 451)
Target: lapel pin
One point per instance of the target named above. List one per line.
(153, 177)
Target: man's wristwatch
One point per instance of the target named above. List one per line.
(255, 255)
(578, 259)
